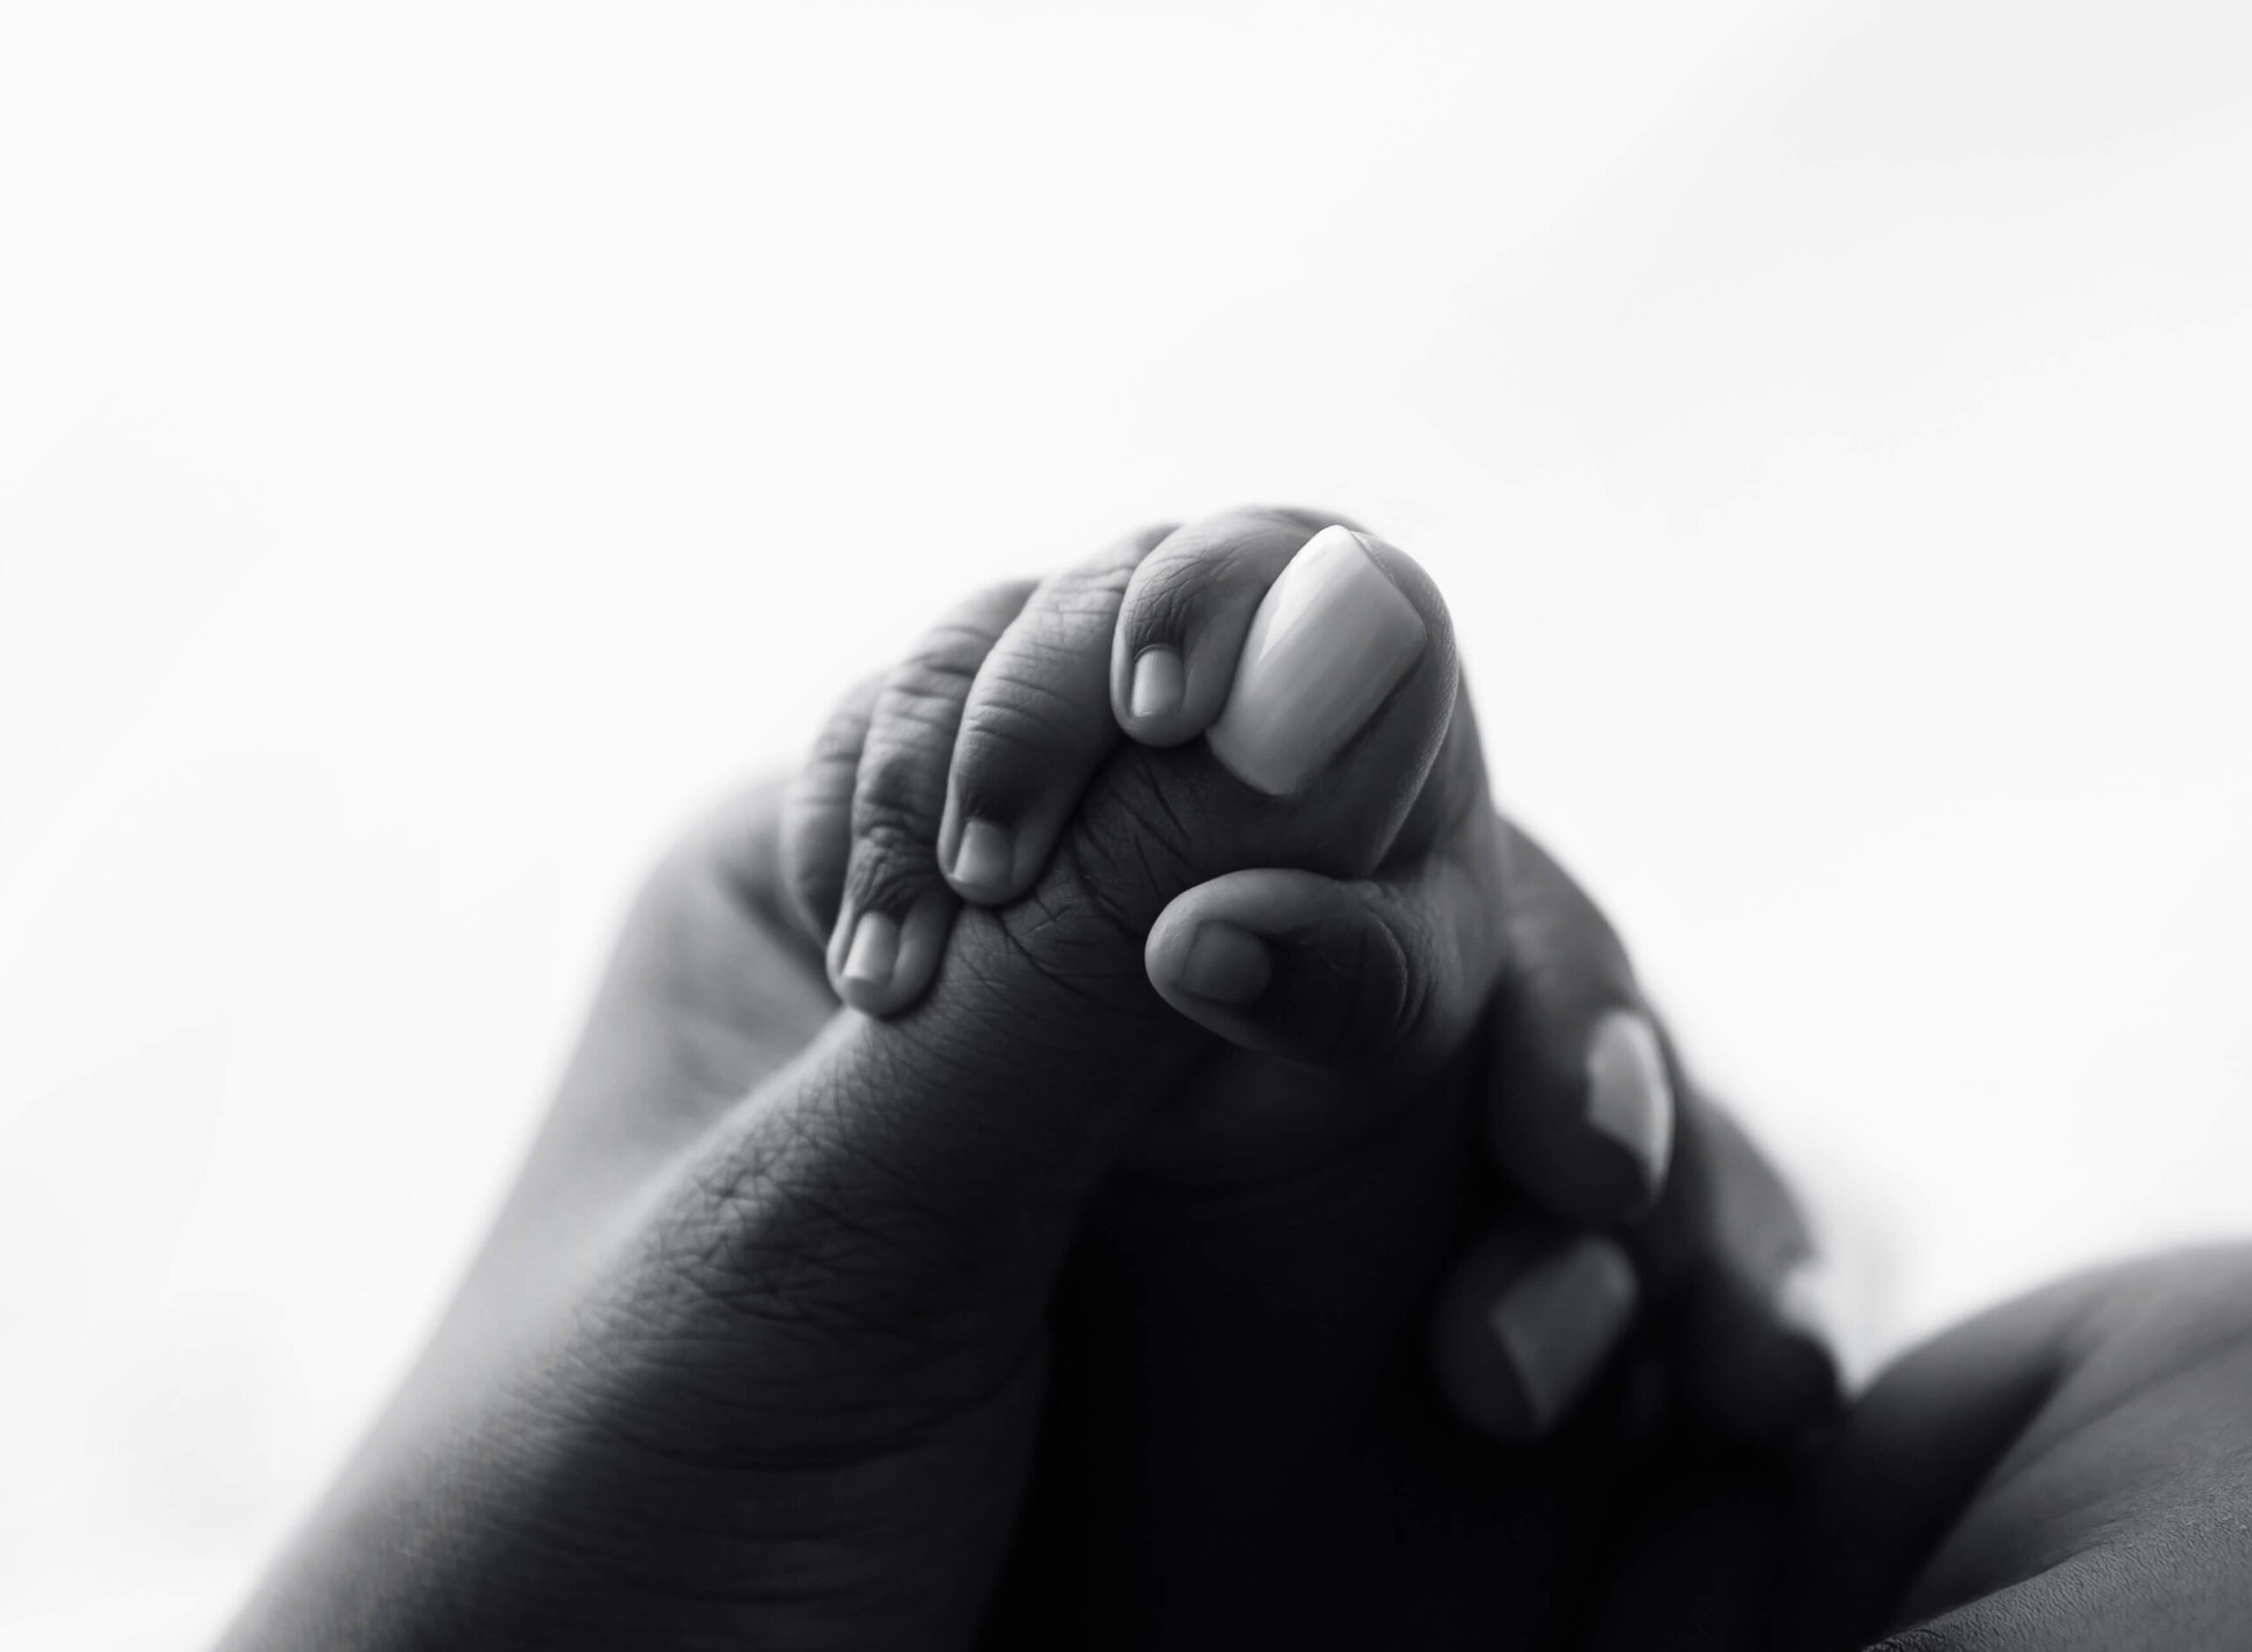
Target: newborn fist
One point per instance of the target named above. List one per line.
(1320, 876)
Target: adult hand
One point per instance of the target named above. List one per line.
(2071, 1471)
(1203, 1481)
(771, 1363)
(486, 1501)
(2067, 1472)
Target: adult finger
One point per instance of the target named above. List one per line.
(1581, 1107)
(1730, 1253)
(1527, 1322)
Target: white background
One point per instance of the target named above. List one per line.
(442, 446)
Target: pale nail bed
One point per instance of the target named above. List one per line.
(1158, 686)
(1629, 1099)
(986, 858)
(1226, 964)
(1332, 637)
(1560, 1321)
(874, 953)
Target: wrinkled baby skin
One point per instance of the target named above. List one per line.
(1096, 1244)
(1257, 900)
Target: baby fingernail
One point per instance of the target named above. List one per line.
(1158, 684)
(1629, 1100)
(986, 858)
(1331, 640)
(874, 954)
(1558, 1324)
(1226, 964)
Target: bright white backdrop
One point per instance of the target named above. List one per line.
(440, 446)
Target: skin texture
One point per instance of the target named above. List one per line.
(2120, 1393)
(1277, 1228)
(795, 1314)
(2068, 1471)
(1466, 965)
(1389, 971)
(604, 1447)
(2064, 1472)
(556, 1476)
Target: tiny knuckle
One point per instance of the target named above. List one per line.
(1025, 701)
(896, 779)
(1168, 604)
(1092, 592)
(1166, 598)
(839, 741)
(952, 648)
(924, 689)
(892, 836)
(891, 864)
(1022, 723)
